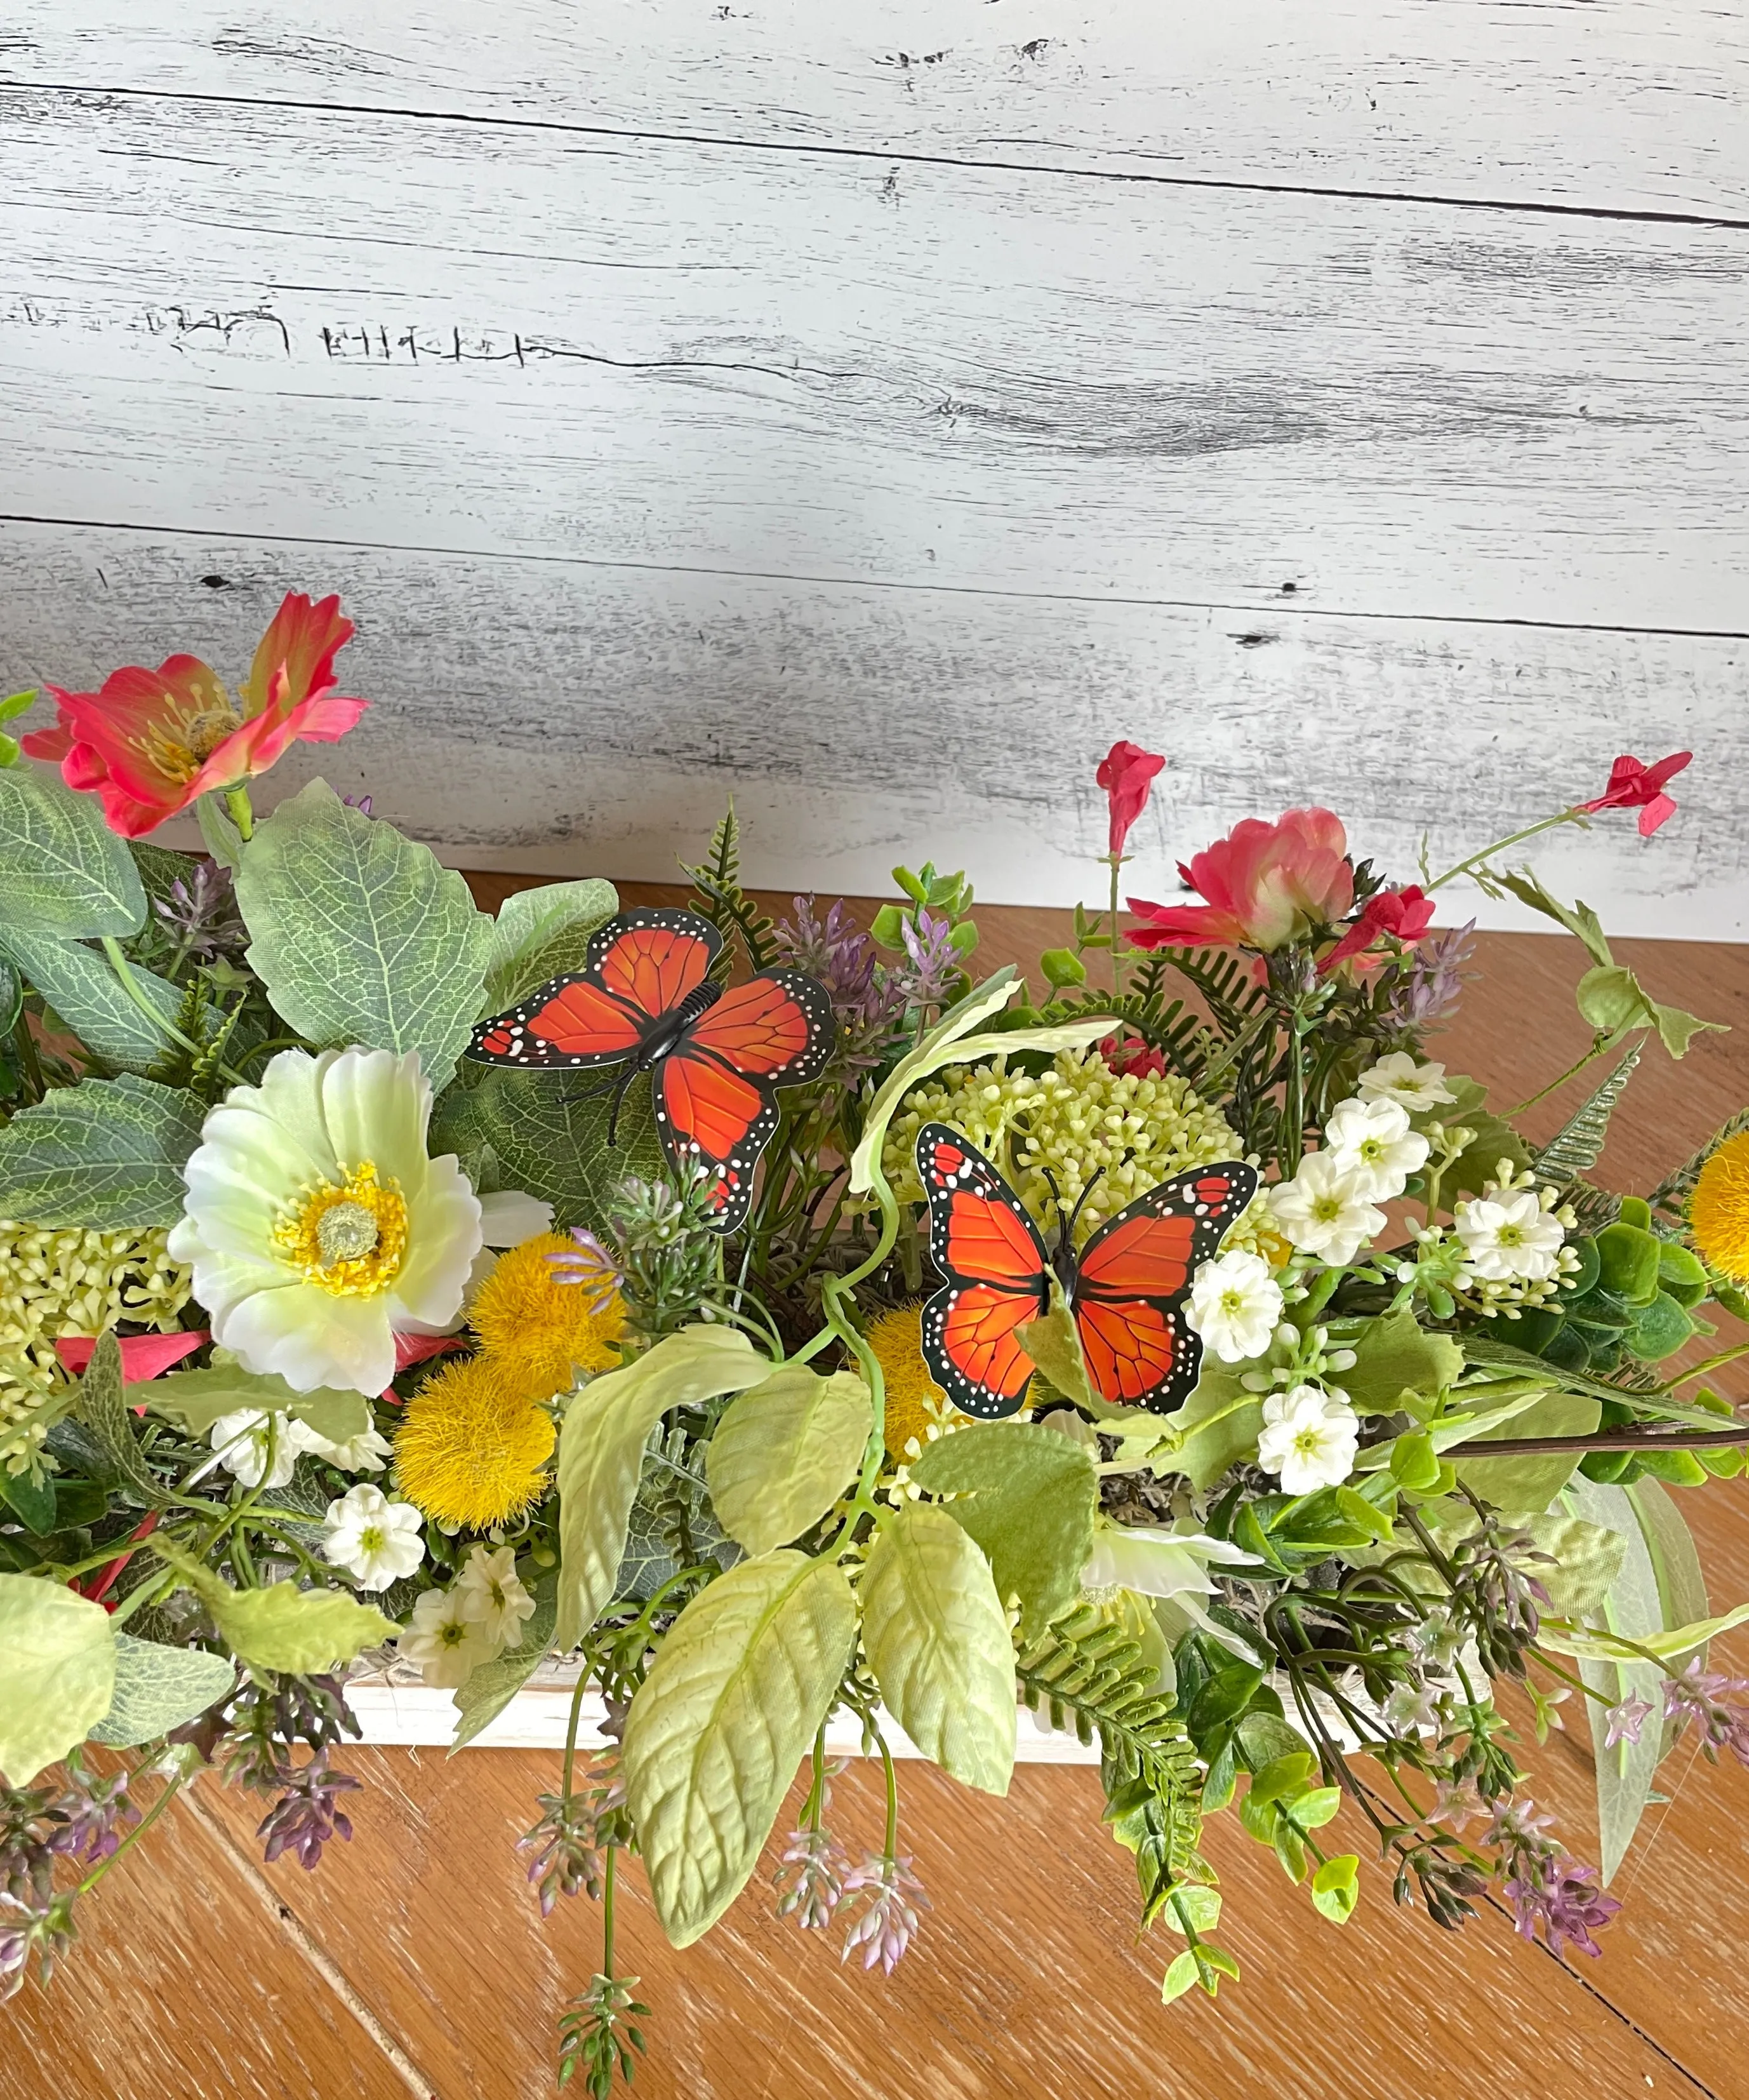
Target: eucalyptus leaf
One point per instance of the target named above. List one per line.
(57, 1673)
(63, 871)
(937, 1640)
(157, 1688)
(543, 933)
(83, 989)
(601, 1453)
(740, 1687)
(107, 1155)
(484, 1694)
(785, 1450)
(360, 934)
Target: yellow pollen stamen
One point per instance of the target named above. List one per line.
(179, 744)
(350, 1239)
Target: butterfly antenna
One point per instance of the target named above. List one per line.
(620, 1093)
(1081, 1201)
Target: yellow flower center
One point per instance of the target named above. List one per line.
(178, 745)
(1719, 1209)
(349, 1238)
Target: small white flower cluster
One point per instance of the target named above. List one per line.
(375, 1539)
(262, 1450)
(1514, 1236)
(1399, 1079)
(482, 1613)
(1311, 1436)
(1329, 1209)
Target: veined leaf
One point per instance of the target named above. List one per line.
(1579, 919)
(359, 935)
(483, 1695)
(63, 871)
(935, 1050)
(88, 995)
(601, 1450)
(784, 1451)
(1576, 1147)
(1530, 1480)
(303, 1632)
(197, 1399)
(1398, 1365)
(937, 1640)
(543, 933)
(103, 1412)
(1218, 1424)
(107, 1155)
(739, 1689)
(158, 1688)
(549, 1136)
(57, 1673)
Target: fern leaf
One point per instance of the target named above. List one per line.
(1574, 1148)
(1672, 1192)
(717, 895)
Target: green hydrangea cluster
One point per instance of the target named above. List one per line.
(1075, 1120)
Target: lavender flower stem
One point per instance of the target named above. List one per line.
(570, 1737)
(892, 1845)
(172, 1788)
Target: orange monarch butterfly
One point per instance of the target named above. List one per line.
(645, 998)
(1127, 1287)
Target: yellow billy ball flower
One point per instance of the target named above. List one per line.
(472, 1447)
(1718, 1212)
(915, 1404)
(539, 1330)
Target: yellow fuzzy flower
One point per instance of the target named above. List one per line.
(915, 1404)
(1718, 1212)
(472, 1447)
(541, 1331)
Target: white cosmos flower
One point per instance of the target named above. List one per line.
(1324, 1211)
(317, 1227)
(494, 1599)
(442, 1640)
(367, 1451)
(372, 1537)
(1372, 1141)
(260, 1450)
(1510, 1238)
(1156, 1562)
(1236, 1305)
(1310, 1438)
(1399, 1079)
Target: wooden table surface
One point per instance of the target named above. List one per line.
(414, 1959)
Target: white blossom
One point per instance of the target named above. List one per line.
(372, 1537)
(1509, 1237)
(368, 1450)
(494, 1599)
(1398, 1078)
(1234, 1304)
(1372, 1141)
(261, 1450)
(1324, 1211)
(1310, 1438)
(442, 1640)
(1157, 1562)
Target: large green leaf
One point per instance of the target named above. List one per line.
(62, 870)
(197, 1399)
(543, 932)
(158, 1688)
(303, 1632)
(549, 1132)
(88, 995)
(1027, 1494)
(1217, 1425)
(104, 1413)
(784, 1451)
(1533, 1480)
(937, 1639)
(57, 1673)
(360, 934)
(483, 1695)
(1398, 1366)
(1584, 1555)
(739, 1689)
(601, 1451)
(106, 1155)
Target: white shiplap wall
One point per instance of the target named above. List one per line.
(875, 411)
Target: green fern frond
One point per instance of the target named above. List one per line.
(1671, 1194)
(717, 895)
(1233, 995)
(1574, 1149)
(1183, 1038)
(1088, 1674)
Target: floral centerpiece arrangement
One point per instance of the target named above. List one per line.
(786, 1322)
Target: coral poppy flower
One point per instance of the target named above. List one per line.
(1634, 786)
(1404, 914)
(1266, 885)
(150, 742)
(1126, 773)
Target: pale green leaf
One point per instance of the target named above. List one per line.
(158, 1688)
(57, 1673)
(543, 933)
(1585, 1555)
(1669, 1644)
(784, 1451)
(63, 871)
(1180, 1975)
(936, 1049)
(600, 1454)
(1053, 1342)
(106, 1155)
(102, 1410)
(85, 991)
(937, 1640)
(548, 1134)
(1579, 919)
(1026, 1493)
(360, 934)
(1533, 1480)
(740, 1687)
(1446, 1433)
(1399, 1366)
(219, 832)
(197, 1399)
(1219, 1425)
(1336, 1887)
(1676, 1563)
(485, 1693)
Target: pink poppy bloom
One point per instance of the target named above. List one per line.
(1633, 786)
(1126, 773)
(1266, 885)
(1404, 914)
(150, 742)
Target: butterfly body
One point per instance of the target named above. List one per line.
(645, 1001)
(1125, 1288)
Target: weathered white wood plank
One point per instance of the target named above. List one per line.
(435, 334)
(1620, 104)
(567, 718)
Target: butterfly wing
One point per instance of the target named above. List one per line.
(637, 967)
(1134, 1275)
(987, 1247)
(716, 1101)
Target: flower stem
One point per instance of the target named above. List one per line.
(1573, 815)
(1117, 968)
(173, 1786)
(1708, 1363)
(609, 1858)
(891, 1852)
(131, 984)
(570, 1761)
(1597, 1050)
(242, 815)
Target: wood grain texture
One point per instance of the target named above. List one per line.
(428, 333)
(1624, 106)
(566, 718)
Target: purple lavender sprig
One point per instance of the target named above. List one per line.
(306, 1816)
(85, 1821)
(1546, 1886)
(868, 1001)
(935, 962)
(886, 1896)
(1431, 981)
(1699, 1697)
(201, 911)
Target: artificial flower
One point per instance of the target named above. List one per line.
(1155, 1561)
(366, 1451)
(534, 1323)
(887, 1896)
(1372, 1141)
(316, 1225)
(260, 1450)
(1632, 786)
(373, 1538)
(1718, 1211)
(1310, 1437)
(1234, 1305)
(1509, 1237)
(494, 1599)
(448, 1646)
(1399, 1078)
(1265, 885)
(473, 1448)
(1625, 1719)
(586, 1266)
(150, 742)
(1325, 1210)
(1405, 914)
(1126, 773)
(915, 1404)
